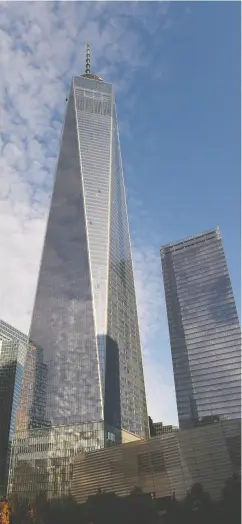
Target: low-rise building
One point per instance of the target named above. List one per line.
(166, 465)
(160, 428)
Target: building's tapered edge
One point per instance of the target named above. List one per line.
(193, 239)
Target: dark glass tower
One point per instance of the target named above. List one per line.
(84, 359)
(13, 346)
(204, 329)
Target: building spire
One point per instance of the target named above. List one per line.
(88, 73)
(88, 60)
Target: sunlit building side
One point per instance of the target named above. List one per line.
(204, 329)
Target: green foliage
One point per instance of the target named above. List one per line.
(137, 508)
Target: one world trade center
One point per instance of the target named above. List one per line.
(83, 385)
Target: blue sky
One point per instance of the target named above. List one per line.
(185, 157)
(176, 70)
(186, 153)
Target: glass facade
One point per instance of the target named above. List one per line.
(13, 345)
(84, 356)
(163, 466)
(204, 329)
(42, 458)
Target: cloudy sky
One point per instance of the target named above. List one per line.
(176, 70)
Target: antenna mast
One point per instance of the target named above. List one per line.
(88, 60)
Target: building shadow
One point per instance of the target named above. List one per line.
(112, 397)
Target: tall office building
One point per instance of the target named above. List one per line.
(13, 345)
(204, 329)
(84, 358)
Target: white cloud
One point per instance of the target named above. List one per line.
(41, 47)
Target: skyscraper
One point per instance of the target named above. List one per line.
(84, 357)
(204, 329)
(13, 345)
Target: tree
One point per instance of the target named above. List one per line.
(103, 508)
(231, 501)
(198, 506)
(141, 508)
(20, 510)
